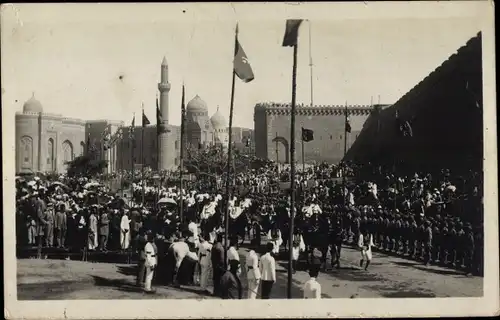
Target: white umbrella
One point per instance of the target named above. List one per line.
(91, 184)
(167, 200)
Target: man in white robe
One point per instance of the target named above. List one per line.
(298, 246)
(253, 274)
(365, 244)
(205, 263)
(274, 237)
(125, 231)
(150, 263)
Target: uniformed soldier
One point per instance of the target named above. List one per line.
(428, 242)
(443, 252)
(398, 226)
(387, 233)
(460, 246)
(469, 249)
(437, 241)
(452, 241)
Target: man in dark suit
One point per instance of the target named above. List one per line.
(217, 255)
(230, 284)
(60, 224)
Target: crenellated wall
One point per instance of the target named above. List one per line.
(444, 114)
(272, 131)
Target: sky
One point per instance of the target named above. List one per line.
(102, 61)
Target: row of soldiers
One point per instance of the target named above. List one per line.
(441, 240)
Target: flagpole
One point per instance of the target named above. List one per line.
(181, 160)
(142, 157)
(292, 171)
(132, 149)
(310, 61)
(345, 151)
(303, 153)
(229, 153)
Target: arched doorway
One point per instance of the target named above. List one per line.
(281, 150)
(82, 148)
(26, 153)
(67, 148)
(50, 155)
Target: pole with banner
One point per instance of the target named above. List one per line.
(181, 160)
(290, 40)
(145, 122)
(243, 70)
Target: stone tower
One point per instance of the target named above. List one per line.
(164, 88)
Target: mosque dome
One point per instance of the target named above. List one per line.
(218, 120)
(32, 105)
(197, 105)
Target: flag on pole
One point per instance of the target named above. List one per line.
(241, 66)
(160, 127)
(291, 32)
(307, 135)
(347, 123)
(403, 127)
(145, 120)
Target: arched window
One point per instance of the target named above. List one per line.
(50, 154)
(26, 150)
(67, 148)
(82, 148)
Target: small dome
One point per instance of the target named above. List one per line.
(218, 120)
(196, 105)
(32, 105)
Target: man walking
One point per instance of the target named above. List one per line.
(205, 263)
(267, 271)
(230, 283)
(217, 257)
(150, 263)
(253, 274)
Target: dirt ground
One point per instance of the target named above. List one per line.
(387, 277)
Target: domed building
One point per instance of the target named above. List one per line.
(200, 129)
(45, 142)
(221, 132)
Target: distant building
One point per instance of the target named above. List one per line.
(272, 131)
(445, 114)
(45, 142)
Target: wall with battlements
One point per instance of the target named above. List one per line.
(272, 131)
(445, 112)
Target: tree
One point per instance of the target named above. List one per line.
(86, 166)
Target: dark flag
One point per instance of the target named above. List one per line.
(291, 32)
(145, 120)
(307, 135)
(347, 124)
(160, 127)
(241, 65)
(89, 148)
(183, 110)
(403, 127)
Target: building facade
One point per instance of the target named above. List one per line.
(46, 142)
(445, 114)
(272, 131)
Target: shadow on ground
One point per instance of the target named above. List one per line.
(118, 284)
(55, 290)
(400, 291)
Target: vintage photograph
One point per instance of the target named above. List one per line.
(182, 156)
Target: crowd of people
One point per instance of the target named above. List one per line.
(433, 217)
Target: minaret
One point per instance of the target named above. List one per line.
(164, 88)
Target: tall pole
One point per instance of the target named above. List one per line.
(303, 152)
(132, 149)
(181, 160)
(345, 151)
(229, 154)
(142, 157)
(277, 152)
(310, 62)
(292, 171)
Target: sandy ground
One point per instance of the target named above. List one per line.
(387, 277)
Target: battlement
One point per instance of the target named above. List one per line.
(446, 66)
(284, 109)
